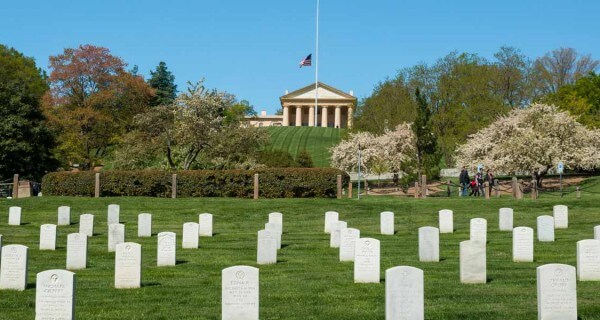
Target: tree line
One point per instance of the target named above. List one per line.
(462, 93)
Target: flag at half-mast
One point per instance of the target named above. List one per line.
(306, 62)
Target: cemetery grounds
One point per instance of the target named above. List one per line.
(308, 281)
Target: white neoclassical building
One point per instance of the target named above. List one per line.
(335, 109)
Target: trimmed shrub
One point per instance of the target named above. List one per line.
(273, 183)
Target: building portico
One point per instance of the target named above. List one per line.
(335, 108)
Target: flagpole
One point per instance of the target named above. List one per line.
(317, 71)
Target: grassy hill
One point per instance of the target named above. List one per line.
(316, 141)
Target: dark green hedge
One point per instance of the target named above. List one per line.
(273, 183)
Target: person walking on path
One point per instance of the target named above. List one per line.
(464, 181)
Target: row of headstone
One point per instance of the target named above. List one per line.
(269, 239)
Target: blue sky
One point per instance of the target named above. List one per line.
(252, 48)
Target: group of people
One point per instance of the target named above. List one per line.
(477, 184)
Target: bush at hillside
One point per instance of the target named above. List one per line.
(273, 183)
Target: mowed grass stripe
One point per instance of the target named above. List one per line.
(297, 139)
(280, 142)
(274, 133)
(316, 140)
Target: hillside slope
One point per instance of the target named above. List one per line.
(316, 141)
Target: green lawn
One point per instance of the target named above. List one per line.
(316, 141)
(308, 282)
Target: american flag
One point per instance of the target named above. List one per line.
(306, 62)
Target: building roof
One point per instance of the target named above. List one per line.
(325, 92)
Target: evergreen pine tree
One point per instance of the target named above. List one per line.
(163, 81)
(428, 155)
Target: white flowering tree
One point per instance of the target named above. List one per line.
(532, 139)
(393, 149)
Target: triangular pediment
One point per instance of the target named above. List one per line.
(325, 92)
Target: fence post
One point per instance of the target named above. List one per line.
(519, 191)
(97, 186)
(424, 186)
(174, 186)
(15, 188)
(416, 189)
(486, 189)
(448, 189)
(578, 193)
(350, 189)
(255, 186)
(339, 186)
(497, 188)
(534, 190)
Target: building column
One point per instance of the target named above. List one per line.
(286, 116)
(350, 114)
(324, 117)
(338, 116)
(298, 116)
(311, 116)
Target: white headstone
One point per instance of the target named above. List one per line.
(55, 295)
(556, 292)
(206, 224)
(76, 251)
(387, 223)
(13, 267)
(506, 219)
(335, 235)
(190, 235)
(48, 237)
(116, 235)
(522, 244)
(277, 217)
(366, 260)
(446, 221)
(14, 216)
(144, 225)
(330, 218)
(545, 228)
(561, 216)
(113, 213)
(472, 262)
(64, 216)
(86, 224)
(429, 244)
(588, 260)
(266, 251)
(479, 230)
(597, 232)
(128, 265)
(347, 238)
(239, 293)
(404, 294)
(274, 228)
(166, 249)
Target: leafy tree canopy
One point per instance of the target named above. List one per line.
(25, 146)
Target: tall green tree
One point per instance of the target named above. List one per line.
(163, 81)
(26, 141)
(390, 104)
(428, 156)
(581, 99)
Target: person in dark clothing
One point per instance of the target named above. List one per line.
(489, 177)
(464, 181)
